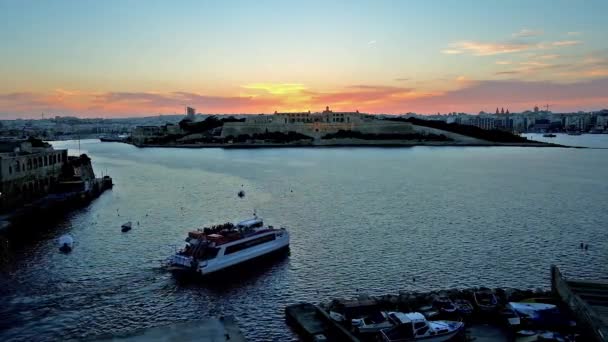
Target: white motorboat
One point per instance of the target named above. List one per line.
(66, 243)
(212, 249)
(413, 326)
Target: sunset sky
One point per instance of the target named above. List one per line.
(134, 58)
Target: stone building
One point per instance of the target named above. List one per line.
(148, 134)
(28, 169)
(314, 124)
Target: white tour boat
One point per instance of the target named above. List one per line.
(219, 247)
(413, 326)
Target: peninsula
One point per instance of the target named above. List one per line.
(326, 128)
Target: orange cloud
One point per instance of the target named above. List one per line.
(468, 95)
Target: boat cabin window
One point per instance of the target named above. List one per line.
(250, 243)
(419, 325)
(422, 330)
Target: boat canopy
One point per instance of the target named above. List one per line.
(251, 223)
(409, 317)
(531, 309)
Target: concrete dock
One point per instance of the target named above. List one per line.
(212, 330)
(588, 300)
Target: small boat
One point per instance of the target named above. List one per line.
(66, 243)
(485, 300)
(372, 324)
(574, 133)
(549, 135)
(215, 248)
(241, 194)
(540, 315)
(126, 227)
(413, 326)
(463, 307)
(444, 304)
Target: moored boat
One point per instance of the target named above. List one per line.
(540, 315)
(444, 304)
(463, 307)
(549, 135)
(413, 326)
(485, 300)
(212, 249)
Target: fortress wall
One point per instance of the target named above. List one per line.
(316, 129)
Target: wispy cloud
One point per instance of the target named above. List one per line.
(549, 56)
(487, 48)
(504, 62)
(573, 33)
(566, 43)
(451, 51)
(401, 79)
(523, 33)
(371, 42)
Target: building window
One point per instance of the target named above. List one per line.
(10, 170)
(46, 160)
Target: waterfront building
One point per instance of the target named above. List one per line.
(314, 124)
(28, 169)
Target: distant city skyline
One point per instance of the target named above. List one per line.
(140, 58)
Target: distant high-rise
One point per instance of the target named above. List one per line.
(190, 112)
(497, 110)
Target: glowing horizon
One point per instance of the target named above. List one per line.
(118, 59)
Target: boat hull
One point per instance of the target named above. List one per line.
(246, 255)
(188, 272)
(436, 338)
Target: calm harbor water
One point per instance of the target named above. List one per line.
(361, 220)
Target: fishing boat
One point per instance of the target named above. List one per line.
(549, 135)
(463, 307)
(219, 247)
(485, 300)
(413, 326)
(126, 227)
(444, 304)
(66, 243)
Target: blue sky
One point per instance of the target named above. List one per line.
(235, 56)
